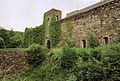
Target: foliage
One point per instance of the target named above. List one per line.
(46, 26)
(85, 56)
(5, 35)
(34, 35)
(28, 37)
(92, 41)
(39, 35)
(55, 32)
(16, 40)
(68, 58)
(111, 62)
(77, 64)
(69, 28)
(96, 54)
(2, 43)
(9, 36)
(36, 54)
(72, 78)
(118, 37)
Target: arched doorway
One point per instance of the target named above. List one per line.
(84, 43)
(48, 44)
(106, 40)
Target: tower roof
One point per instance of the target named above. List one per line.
(53, 9)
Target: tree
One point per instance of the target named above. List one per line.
(28, 37)
(5, 35)
(2, 43)
(39, 35)
(16, 41)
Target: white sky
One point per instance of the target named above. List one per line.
(19, 14)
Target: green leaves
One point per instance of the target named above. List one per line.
(68, 58)
(2, 43)
(55, 32)
(92, 41)
(34, 35)
(35, 54)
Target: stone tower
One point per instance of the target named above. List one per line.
(48, 16)
(53, 13)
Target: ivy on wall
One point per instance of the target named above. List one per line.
(54, 32)
(69, 28)
(46, 26)
(48, 29)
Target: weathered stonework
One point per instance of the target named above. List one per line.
(101, 19)
(12, 63)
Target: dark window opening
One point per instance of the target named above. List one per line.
(48, 44)
(106, 40)
(84, 43)
(48, 19)
(57, 18)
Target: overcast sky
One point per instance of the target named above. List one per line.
(19, 14)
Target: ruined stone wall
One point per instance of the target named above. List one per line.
(12, 63)
(103, 21)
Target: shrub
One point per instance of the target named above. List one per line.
(96, 54)
(2, 43)
(36, 54)
(90, 72)
(68, 57)
(72, 77)
(92, 41)
(111, 63)
(85, 56)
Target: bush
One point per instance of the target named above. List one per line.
(36, 54)
(90, 72)
(96, 54)
(68, 57)
(111, 63)
(92, 41)
(2, 43)
(85, 56)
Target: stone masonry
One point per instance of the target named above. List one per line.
(12, 63)
(101, 19)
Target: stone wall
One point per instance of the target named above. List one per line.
(102, 21)
(12, 63)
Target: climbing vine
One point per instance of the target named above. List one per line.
(69, 28)
(55, 32)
